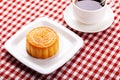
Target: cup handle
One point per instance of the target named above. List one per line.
(103, 2)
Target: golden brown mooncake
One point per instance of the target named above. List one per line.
(42, 42)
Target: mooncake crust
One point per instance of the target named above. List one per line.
(42, 42)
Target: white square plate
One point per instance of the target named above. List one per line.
(70, 43)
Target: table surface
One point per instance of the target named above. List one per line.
(99, 58)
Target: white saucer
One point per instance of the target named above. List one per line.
(90, 28)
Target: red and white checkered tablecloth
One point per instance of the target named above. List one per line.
(99, 58)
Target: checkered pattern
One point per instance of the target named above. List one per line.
(99, 58)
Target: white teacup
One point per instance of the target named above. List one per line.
(91, 14)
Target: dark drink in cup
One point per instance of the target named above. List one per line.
(90, 4)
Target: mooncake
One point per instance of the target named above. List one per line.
(42, 42)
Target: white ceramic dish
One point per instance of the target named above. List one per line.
(70, 43)
(90, 28)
